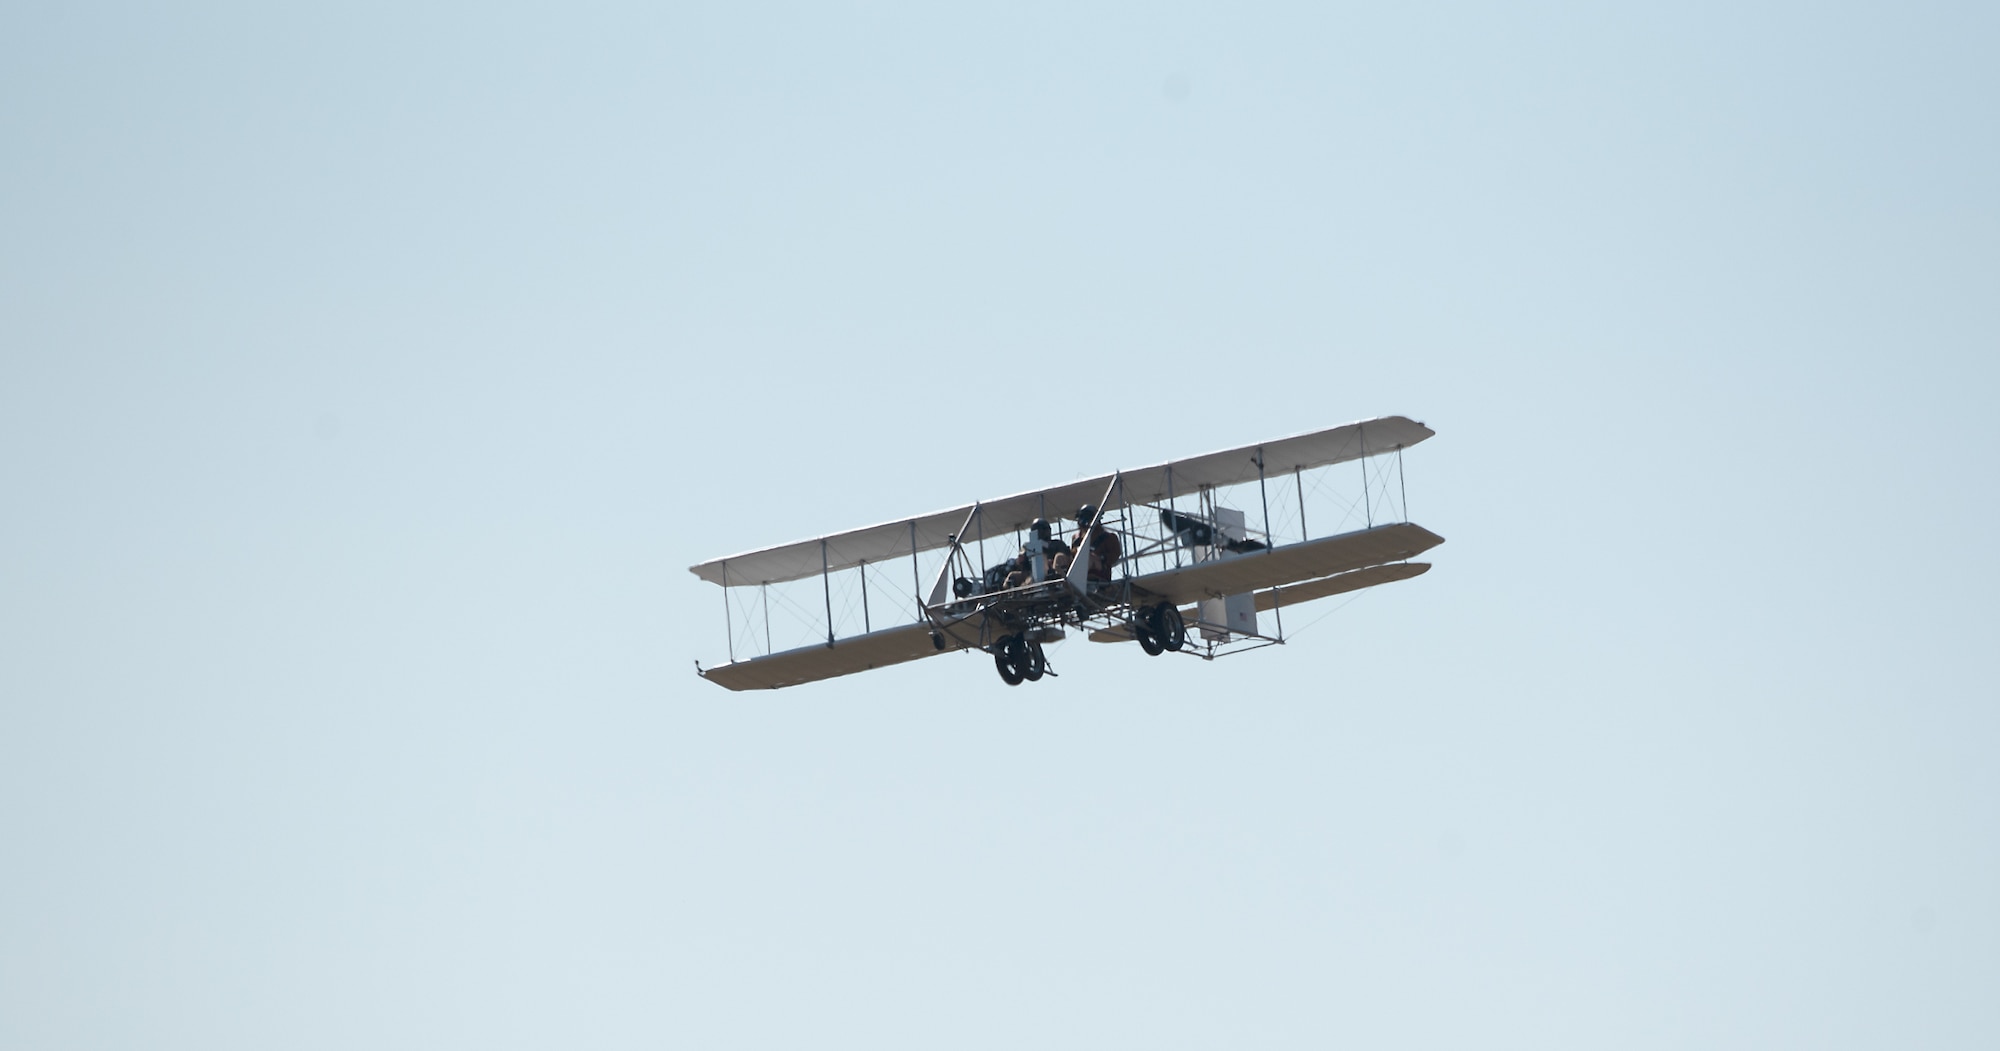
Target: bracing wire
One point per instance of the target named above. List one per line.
(1309, 625)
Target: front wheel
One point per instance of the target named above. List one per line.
(1146, 626)
(1009, 658)
(1038, 663)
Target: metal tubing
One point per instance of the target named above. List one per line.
(764, 600)
(1078, 577)
(1265, 500)
(727, 622)
(1299, 480)
(866, 627)
(1125, 515)
(938, 589)
(826, 582)
(1367, 505)
(1402, 484)
(916, 575)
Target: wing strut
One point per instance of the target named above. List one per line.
(1402, 484)
(944, 571)
(1367, 502)
(1078, 577)
(1264, 498)
(1298, 479)
(916, 581)
(826, 585)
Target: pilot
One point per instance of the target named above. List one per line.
(1038, 556)
(1105, 550)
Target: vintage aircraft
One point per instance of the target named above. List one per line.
(1156, 552)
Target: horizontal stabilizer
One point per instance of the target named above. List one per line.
(1288, 564)
(1272, 598)
(1339, 584)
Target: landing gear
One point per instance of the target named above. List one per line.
(1172, 628)
(1018, 660)
(1009, 657)
(1146, 627)
(1038, 663)
(1159, 629)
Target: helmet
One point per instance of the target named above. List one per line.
(1085, 514)
(1040, 527)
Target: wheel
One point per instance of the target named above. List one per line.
(1038, 664)
(1146, 627)
(1008, 658)
(1173, 628)
(1003, 662)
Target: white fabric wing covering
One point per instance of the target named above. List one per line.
(1002, 517)
(812, 663)
(1293, 594)
(1289, 564)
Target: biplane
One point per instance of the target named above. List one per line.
(1163, 556)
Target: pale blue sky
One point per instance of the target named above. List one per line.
(370, 376)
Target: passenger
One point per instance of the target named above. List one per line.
(1105, 550)
(1027, 566)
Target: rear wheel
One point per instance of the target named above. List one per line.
(1038, 664)
(1173, 629)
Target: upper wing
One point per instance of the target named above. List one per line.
(995, 518)
(1305, 561)
(877, 649)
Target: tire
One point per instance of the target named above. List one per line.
(1145, 626)
(1008, 658)
(1038, 664)
(1173, 628)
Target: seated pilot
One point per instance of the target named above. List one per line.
(1038, 556)
(1105, 550)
